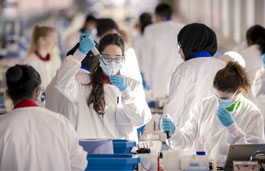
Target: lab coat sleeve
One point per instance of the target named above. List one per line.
(77, 154)
(135, 106)
(258, 87)
(253, 134)
(177, 99)
(65, 80)
(183, 138)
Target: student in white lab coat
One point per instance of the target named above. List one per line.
(159, 55)
(32, 137)
(252, 55)
(145, 19)
(42, 54)
(192, 80)
(256, 47)
(220, 120)
(103, 103)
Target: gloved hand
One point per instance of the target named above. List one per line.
(86, 44)
(166, 124)
(224, 116)
(118, 81)
(263, 60)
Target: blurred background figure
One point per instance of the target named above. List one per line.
(252, 54)
(256, 47)
(258, 87)
(159, 55)
(144, 20)
(89, 26)
(43, 55)
(106, 26)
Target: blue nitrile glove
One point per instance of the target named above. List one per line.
(86, 43)
(118, 81)
(224, 116)
(263, 60)
(166, 124)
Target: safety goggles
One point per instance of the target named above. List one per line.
(115, 59)
(222, 99)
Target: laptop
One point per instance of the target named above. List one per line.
(241, 152)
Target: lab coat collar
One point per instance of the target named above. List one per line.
(201, 54)
(25, 103)
(85, 68)
(47, 58)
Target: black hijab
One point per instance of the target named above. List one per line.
(195, 38)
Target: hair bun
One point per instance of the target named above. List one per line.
(14, 74)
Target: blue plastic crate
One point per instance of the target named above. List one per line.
(123, 146)
(112, 161)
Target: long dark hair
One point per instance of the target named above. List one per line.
(97, 77)
(232, 77)
(22, 81)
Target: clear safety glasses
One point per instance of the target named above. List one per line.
(222, 98)
(115, 59)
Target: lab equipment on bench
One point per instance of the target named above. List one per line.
(112, 162)
(198, 162)
(123, 146)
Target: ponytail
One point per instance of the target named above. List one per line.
(37, 32)
(97, 77)
(232, 77)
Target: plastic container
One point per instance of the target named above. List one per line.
(97, 146)
(198, 162)
(112, 161)
(123, 146)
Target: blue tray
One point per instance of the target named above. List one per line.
(123, 146)
(112, 161)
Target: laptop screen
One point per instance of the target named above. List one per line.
(241, 152)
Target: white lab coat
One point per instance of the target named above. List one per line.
(258, 90)
(160, 56)
(46, 69)
(34, 138)
(253, 61)
(204, 132)
(190, 83)
(69, 91)
(138, 46)
(131, 67)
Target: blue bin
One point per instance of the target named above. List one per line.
(112, 161)
(123, 146)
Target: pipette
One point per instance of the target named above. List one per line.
(168, 133)
(96, 53)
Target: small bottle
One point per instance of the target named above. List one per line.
(203, 160)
